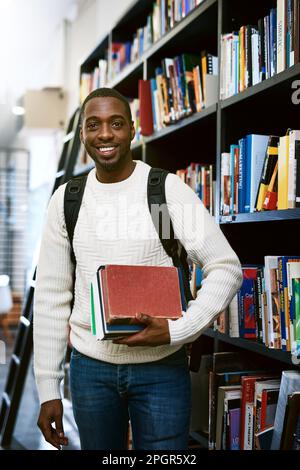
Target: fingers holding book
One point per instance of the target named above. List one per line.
(155, 333)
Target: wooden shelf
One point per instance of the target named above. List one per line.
(254, 346)
(264, 216)
(265, 85)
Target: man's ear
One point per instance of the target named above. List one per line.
(81, 135)
(132, 131)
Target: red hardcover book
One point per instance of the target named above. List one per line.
(269, 399)
(247, 409)
(128, 290)
(146, 116)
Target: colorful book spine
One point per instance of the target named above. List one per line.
(234, 429)
(270, 160)
(271, 200)
(247, 325)
(296, 309)
(286, 323)
(146, 116)
(242, 175)
(283, 162)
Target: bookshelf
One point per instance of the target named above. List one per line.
(264, 108)
(252, 346)
(268, 216)
(278, 80)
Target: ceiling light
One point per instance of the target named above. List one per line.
(18, 110)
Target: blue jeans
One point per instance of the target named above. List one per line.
(155, 396)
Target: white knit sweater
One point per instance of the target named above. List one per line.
(115, 227)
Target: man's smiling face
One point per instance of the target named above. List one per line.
(107, 132)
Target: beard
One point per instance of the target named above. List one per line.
(109, 166)
(114, 163)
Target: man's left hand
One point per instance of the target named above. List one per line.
(155, 333)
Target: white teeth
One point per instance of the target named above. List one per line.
(106, 149)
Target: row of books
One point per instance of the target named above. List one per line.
(96, 79)
(182, 86)
(201, 179)
(241, 406)
(261, 172)
(256, 53)
(125, 53)
(165, 15)
(248, 56)
(267, 307)
(235, 431)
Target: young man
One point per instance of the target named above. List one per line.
(143, 377)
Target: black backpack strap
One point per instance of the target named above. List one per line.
(158, 208)
(72, 201)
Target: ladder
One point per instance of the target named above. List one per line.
(22, 351)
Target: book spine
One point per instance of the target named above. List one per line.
(248, 156)
(234, 429)
(146, 115)
(248, 423)
(242, 175)
(263, 415)
(267, 171)
(281, 35)
(262, 63)
(93, 319)
(259, 305)
(283, 154)
(297, 30)
(284, 335)
(292, 169)
(271, 199)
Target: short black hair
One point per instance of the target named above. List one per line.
(104, 93)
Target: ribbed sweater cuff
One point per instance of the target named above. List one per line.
(179, 332)
(183, 330)
(48, 389)
(175, 333)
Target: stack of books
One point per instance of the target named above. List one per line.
(120, 292)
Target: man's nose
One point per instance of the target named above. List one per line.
(105, 132)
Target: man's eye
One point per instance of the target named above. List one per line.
(117, 124)
(92, 125)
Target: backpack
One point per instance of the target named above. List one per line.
(156, 195)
